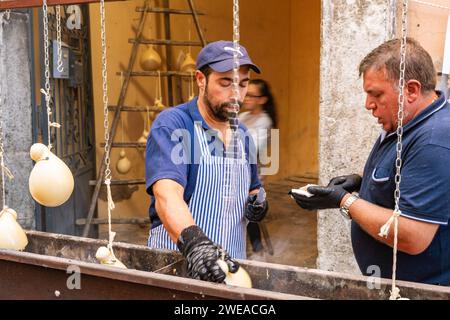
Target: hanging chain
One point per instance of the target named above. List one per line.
(105, 90)
(395, 292)
(58, 38)
(46, 90)
(236, 94)
(111, 205)
(401, 104)
(230, 174)
(4, 17)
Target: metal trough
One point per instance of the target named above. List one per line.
(43, 270)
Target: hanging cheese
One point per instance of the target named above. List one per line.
(188, 64)
(143, 138)
(123, 165)
(106, 256)
(150, 59)
(51, 181)
(12, 235)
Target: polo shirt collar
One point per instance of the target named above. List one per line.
(424, 114)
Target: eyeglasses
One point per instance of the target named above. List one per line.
(252, 96)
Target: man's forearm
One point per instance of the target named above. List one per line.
(172, 209)
(413, 236)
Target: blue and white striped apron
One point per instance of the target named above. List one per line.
(217, 204)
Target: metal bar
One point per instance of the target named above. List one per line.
(168, 10)
(155, 74)
(115, 121)
(137, 109)
(115, 221)
(119, 182)
(16, 4)
(197, 23)
(43, 268)
(163, 42)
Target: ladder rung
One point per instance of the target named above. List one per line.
(137, 109)
(155, 74)
(115, 221)
(125, 145)
(163, 42)
(170, 11)
(119, 182)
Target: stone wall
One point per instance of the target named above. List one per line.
(15, 114)
(350, 30)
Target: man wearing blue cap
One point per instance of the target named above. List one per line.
(202, 197)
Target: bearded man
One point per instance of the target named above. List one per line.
(203, 183)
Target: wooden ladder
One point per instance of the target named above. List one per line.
(119, 107)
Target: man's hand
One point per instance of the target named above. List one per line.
(323, 197)
(202, 254)
(257, 206)
(351, 182)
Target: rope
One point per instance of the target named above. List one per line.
(191, 85)
(431, 4)
(147, 126)
(159, 90)
(384, 231)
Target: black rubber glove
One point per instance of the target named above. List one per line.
(351, 182)
(257, 206)
(202, 254)
(323, 197)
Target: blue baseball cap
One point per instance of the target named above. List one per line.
(219, 56)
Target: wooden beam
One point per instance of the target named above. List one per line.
(17, 4)
(166, 42)
(167, 10)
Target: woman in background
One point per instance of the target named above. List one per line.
(259, 117)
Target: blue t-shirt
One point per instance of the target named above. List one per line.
(173, 151)
(425, 196)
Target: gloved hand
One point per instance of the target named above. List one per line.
(202, 254)
(323, 197)
(257, 206)
(350, 182)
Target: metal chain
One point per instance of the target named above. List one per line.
(105, 90)
(234, 122)
(230, 174)
(401, 103)
(395, 292)
(46, 91)
(111, 205)
(58, 38)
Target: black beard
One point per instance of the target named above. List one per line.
(219, 111)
